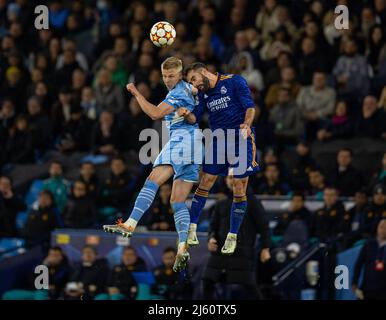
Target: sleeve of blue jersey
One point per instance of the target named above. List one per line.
(243, 92)
(174, 99)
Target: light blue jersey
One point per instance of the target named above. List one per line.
(180, 96)
(184, 140)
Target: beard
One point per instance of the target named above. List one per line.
(205, 84)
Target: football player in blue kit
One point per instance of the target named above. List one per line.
(227, 100)
(184, 138)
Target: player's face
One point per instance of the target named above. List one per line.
(171, 77)
(198, 80)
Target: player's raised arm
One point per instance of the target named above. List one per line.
(154, 112)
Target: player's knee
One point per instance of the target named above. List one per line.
(238, 187)
(207, 181)
(157, 178)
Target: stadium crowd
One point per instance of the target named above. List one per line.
(62, 94)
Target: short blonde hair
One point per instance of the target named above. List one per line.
(172, 63)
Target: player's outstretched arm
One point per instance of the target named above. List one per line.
(154, 112)
(189, 116)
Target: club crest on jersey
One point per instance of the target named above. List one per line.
(223, 90)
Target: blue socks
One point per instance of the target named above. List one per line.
(239, 208)
(182, 220)
(144, 200)
(198, 203)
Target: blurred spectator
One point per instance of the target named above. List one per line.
(106, 136)
(371, 261)
(280, 41)
(273, 74)
(316, 102)
(58, 186)
(161, 217)
(296, 211)
(376, 47)
(89, 105)
(42, 219)
(375, 212)
(167, 283)
(107, 94)
(80, 211)
(345, 177)
(267, 18)
(326, 222)
(340, 125)
(88, 277)
(353, 220)
(271, 184)
(70, 44)
(302, 166)
(89, 178)
(287, 121)
(13, 87)
(119, 75)
(157, 89)
(19, 147)
(380, 176)
(309, 60)
(10, 205)
(63, 75)
(39, 125)
(287, 80)
(368, 123)
(117, 189)
(78, 82)
(240, 267)
(253, 76)
(7, 119)
(58, 271)
(133, 120)
(121, 284)
(316, 180)
(61, 110)
(352, 72)
(76, 133)
(357, 212)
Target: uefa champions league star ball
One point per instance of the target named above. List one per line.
(162, 34)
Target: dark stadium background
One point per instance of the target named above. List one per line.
(320, 125)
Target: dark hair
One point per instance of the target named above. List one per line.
(298, 194)
(56, 162)
(57, 248)
(89, 246)
(49, 194)
(169, 249)
(194, 67)
(118, 157)
(345, 149)
(127, 248)
(86, 162)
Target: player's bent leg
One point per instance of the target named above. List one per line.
(180, 192)
(238, 210)
(145, 198)
(198, 203)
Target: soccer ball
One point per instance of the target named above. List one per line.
(162, 34)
